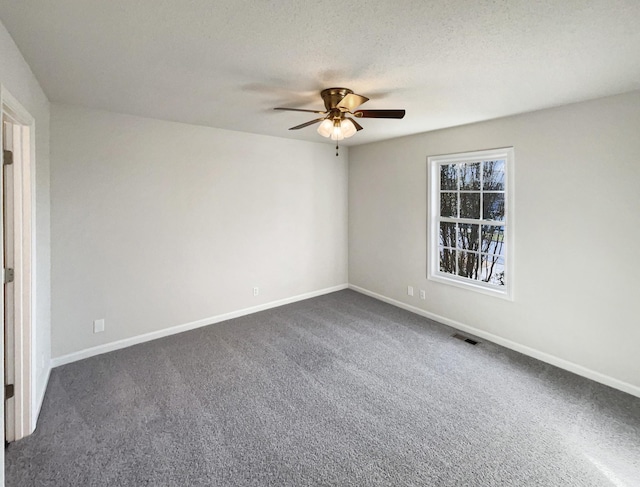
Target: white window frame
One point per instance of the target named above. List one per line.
(433, 222)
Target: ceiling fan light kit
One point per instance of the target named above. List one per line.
(336, 123)
(337, 129)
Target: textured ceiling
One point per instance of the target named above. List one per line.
(227, 63)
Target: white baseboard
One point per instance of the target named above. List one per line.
(40, 399)
(531, 352)
(127, 342)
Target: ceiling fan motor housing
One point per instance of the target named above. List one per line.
(333, 96)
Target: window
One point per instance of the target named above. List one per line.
(470, 222)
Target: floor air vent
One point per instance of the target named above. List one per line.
(464, 338)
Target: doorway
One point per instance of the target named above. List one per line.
(18, 367)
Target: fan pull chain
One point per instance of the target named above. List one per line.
(336, 149)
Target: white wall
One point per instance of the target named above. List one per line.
(577, 217)
(157, 224)
(17, 78)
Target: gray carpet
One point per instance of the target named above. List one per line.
(339, 390)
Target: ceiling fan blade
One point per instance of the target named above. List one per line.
(352, 101)
(355, 124)
(303, 125)
(299, 110)
(379, 113)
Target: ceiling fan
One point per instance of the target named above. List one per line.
(340, 103)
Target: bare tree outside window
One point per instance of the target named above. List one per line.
(472, 216)
(470, 221)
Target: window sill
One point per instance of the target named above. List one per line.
(503, 293)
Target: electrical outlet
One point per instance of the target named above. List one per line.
(423, 294)
(256, 291)
(98, 326)
(410, 290)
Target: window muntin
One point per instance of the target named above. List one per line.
(469, 225)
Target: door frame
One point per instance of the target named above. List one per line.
(24, 345)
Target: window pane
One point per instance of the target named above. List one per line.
(493, 175)
(470, 176)
(468, 208)
(492, 239)
(469, 264)
(447, 261)
(468, 236)
(448, 177)
(492, 269)
(470, 205)
(449, 204)
(493, 206)
(448, 234)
